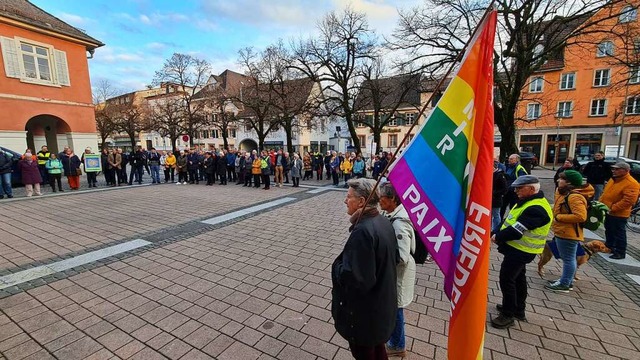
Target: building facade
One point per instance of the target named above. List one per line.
(45, 91)
(586, 100)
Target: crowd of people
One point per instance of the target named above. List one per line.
(189, 166)
(522, 233)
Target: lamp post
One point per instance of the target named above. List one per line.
(557, 146)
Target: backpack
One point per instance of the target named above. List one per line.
(596, 212)
(421, 253)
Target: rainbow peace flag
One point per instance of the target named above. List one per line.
(444, 179)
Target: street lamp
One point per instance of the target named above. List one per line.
(557, 146)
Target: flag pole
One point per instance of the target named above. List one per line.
(490, 7)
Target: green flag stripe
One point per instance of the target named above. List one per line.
(436, 129)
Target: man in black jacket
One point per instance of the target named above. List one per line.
(137, 160)
(597, 172)
(364, 300)
(6, 164)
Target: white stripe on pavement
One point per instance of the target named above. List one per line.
(318, 190)
(590, 235)
(249, 210)
(635, 278)
(44, 270)
(628, 260)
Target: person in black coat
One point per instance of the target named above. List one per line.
(208, 168)
(222, 168)
(364, 294)
(499, 189)
(597, 173)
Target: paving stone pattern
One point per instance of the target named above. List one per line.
(259, 288)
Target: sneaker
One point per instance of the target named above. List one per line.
(502, 322)
(178, 183)
(617, 256)
(557, 287)
(558, 281)
(520, 317)
(184, 183)
(396, 352)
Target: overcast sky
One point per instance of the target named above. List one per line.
(140, 34)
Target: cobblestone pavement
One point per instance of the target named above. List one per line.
(253, 287)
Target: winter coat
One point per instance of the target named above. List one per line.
(170, 161)
(597, 172)
(248, 165)
(154, 159)
(231, 159)
(30, 172)
(620, 194)
(104, 161)
(306, 163)
(499, 188)
(317, 162)
(256, 166)
(406, 268)
(296, 168)
(138, 159)
(265, 165)
(358, 167)
(346, 166)
(209, 165)
(569, 210)
(222, 166)
(181, 163)
(364, 298)
(115, 161)
(192, 162)
(53, 166)
(71, 164)
(6, 162)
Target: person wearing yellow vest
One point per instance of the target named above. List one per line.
(43, 156)
(520, 239)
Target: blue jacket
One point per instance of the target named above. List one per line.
(358, 167)
(231, 159)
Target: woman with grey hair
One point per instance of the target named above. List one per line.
(406, 268)
(364, 276)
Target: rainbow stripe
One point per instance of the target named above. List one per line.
(444, 179)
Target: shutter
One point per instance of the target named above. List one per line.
(10, 56)
(62, 69)
(400, 119)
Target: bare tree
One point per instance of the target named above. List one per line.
(104, 111)
(530, 34)
(223, 108)
(167, 117)
(334, 58)
(190, 75)
(258, 97)
(383, 96)
(130, 119)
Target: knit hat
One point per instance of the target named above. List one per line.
(573, 177)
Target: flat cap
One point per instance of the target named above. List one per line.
(525, 180)
(621, 165)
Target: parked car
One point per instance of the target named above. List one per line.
(16, 178)
(633, 164)
(529, 157)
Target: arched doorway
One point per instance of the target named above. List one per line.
(248, 145)
(47, 130)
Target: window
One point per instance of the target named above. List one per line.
(362, 140)
(535, 86)
(602, 77)
(232, 133)
(393, 141)
(565, 109)
(568, 81)
(410, 138)
(409, 118)
(360, 124)
(205, 134)
(634, 75)
(633, 106)
(628, 14)
(598, 107)
(34, 62)
(605, 48)
(215, 134)
(533, 111)
(393, 122)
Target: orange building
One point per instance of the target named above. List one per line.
(45, 92)
(584, 100)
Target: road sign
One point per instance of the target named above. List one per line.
(185, 138)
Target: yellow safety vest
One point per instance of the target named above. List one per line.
(518, 170)
(43, 162)
(533, 240)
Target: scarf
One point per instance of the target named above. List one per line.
(369, 212)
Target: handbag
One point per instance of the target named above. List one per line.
(78, 172)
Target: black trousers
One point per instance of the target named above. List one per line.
(266, 181)
(615, 232)
(209, 178)
(53, 179)
(334, 175)
(92, 178)
(513, 280)
(223, 179)
(137, 171)
(182, 176)
(231, 172)
(296, 181)
(256, 180)
(122, 174)
(108, 175)
(193, 176)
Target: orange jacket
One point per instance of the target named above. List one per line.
(569, 211)
(620, 194)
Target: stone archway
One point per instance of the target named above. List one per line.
(248, 145)
(47, 130)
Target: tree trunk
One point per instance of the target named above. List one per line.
(376, 138)
(174, 139)
(354, 136)
(132, 138)
(225, 137)
(261, 142)
(104, 139)
(289, 132)
(507, 129)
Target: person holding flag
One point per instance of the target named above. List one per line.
(520, 239)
